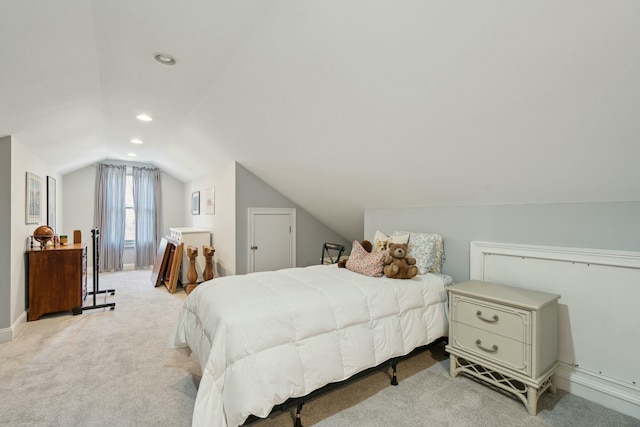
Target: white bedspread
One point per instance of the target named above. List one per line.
(264, 337)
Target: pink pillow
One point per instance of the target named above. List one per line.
(363, 262)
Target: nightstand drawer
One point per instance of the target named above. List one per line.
(513, 354)
(498, 319)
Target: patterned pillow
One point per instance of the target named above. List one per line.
(381, 240)
(363, 262)
(427, 249)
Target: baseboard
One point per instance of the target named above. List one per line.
(8, 334)
(622, 397)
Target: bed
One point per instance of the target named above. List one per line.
(265, 338)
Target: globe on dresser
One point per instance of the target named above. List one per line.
(43, 234)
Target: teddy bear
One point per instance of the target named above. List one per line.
(366, 245)
(397, 265)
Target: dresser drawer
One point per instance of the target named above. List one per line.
(510, 353)
(498, 319)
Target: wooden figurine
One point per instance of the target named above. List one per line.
(208, 252)
(192, 274)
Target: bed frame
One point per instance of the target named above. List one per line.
(298, 402)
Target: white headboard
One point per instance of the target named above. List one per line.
(599, 312)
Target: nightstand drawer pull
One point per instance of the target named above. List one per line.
(493, 349)
(493, 320)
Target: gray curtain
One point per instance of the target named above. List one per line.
(147, 201)
(109, 212)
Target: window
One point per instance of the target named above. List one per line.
(130, 219)
(128, 211)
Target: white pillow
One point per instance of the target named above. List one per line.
(381, 240)
(427, 249)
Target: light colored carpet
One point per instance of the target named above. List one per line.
(114, 368)
(101, 368)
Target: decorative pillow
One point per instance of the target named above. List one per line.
(381, 240)
(427, 249)
(363, 262)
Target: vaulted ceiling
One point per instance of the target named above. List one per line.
(339, 105)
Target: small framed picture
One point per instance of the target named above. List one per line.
(195, 203)
(209, 201)
(33, 198)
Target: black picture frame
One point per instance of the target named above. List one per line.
(51, 202)
(195, 203)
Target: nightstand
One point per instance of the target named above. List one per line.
(505, 336)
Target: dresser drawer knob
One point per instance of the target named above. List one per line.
(492, 320)
(493, 349)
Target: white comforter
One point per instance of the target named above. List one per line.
(262, 338)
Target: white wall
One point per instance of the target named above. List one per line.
(223, 223)
(172, 196)
(21, 162)
(78, 203)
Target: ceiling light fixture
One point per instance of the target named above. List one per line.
(164, 59)
(136, 141)
(144, 117)
(132, 154)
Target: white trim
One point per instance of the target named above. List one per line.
(587, 256)
(271, 211)
(8, 334)
(607, 391)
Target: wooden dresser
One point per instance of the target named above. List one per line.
(57, 279)
(505, 336)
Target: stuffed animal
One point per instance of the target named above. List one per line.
(397, 265)
(367, 246)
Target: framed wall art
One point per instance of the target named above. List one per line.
(33, 199)
(209, 201)
(51, 202)
(195, 203)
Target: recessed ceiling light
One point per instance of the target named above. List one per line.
(132, 154)
(144, 117)
(164, 59)
(136, 141)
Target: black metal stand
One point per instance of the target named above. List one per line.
(327, 258)
(95, 236)
(299, 401)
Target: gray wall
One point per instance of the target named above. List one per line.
(614, 226)
(252, 192)
(5, 232)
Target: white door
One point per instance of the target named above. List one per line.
(272, 239)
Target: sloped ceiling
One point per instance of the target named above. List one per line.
(339, 105)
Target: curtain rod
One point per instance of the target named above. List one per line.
(126, 163)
